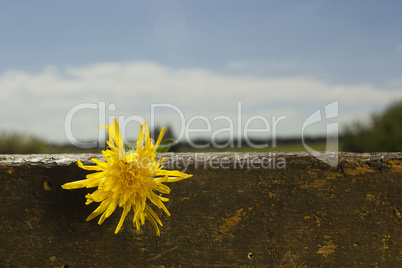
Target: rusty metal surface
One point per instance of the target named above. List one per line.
(293, 159)
(250, 211)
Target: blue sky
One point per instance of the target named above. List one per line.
(275, 57)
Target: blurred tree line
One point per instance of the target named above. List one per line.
(12, 142)
(382, 134)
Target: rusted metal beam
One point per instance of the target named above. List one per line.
(239, 209)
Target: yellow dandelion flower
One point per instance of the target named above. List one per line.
(128, 180)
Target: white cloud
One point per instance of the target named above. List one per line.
(268, 66)
(39, 102)
(396, 82)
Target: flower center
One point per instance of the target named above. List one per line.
(131, 178)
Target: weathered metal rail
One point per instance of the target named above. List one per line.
(239, 209)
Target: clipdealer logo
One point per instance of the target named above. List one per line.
(242, 129)
(330, 156)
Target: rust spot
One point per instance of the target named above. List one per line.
(312, 173)
(47, 185)
(319, 183)
(385, 241)
(332, 175)
(396, 166)
(314, 169)
(328, 249)
(397, 212)
(6, 169)
(370, 197)
(230, 222)
(318, 221)
(394, 162)
(359, 170)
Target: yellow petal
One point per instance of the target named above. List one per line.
(111, 208)
(152, 218)
(88, 167)
(152, 213)
(173, 176)
(99, 210)
(75, 184)
(160, 138)
(156, 200)
(147, 138)
(116, 138)
(101, 164)
(162, 188)
(140, 139)
(123, 216)
(100, 195)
